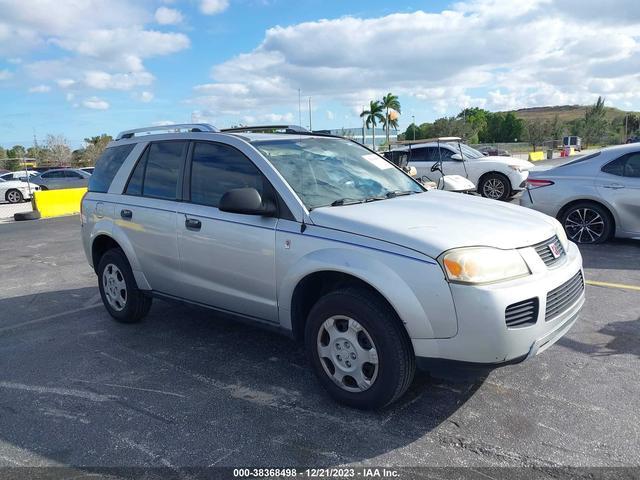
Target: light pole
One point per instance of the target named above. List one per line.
(413, 122)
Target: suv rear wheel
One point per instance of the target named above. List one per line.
(359, 349)
(120, 294)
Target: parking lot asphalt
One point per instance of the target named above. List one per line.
(190, 387)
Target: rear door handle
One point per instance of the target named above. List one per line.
(193, 224)
(128, 214)
(614, 186)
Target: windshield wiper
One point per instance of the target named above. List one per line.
(345, 201)
(399, 193)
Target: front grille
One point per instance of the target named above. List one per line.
(561, 298)
(522, 314)
(544, 249)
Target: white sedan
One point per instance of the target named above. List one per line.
(495, 177)
(16, 191)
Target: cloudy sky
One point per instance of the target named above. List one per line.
(83, 67)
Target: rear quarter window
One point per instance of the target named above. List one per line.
(107, 166)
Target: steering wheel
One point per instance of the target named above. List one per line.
(435, 167)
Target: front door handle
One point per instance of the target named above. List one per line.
(614, 186)
(193, 224)
(128, 214)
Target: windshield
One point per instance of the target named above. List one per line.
(467, 152)
(332, 171)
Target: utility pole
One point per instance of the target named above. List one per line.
(414, 127)
(363, 126)
(310, 127)
(299, 110)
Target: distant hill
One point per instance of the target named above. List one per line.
(566, 113)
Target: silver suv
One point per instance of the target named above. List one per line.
(332, 244)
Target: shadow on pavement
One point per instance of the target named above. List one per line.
(623, 339)
(186, 387)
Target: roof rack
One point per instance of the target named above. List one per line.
(268, 129)
(189, 127)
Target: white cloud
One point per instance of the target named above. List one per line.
(449, 59)
(5, 74)
(211, 7)
(120, 81)
(144, 96)
(168, 16)
(40, 89)
(162, 123)
(107, 36)
(95, 103)
(330, 115)
(65, 82)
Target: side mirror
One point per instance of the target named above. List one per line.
(246, 201)
(456, 156)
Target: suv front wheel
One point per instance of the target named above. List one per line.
(359, 349)
(118, 289)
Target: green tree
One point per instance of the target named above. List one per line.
(536, 132)
(390, 103)
(556, 128)
(372, 117)
(595, 122)
(17, 151)
(94, 148)
(3, 153)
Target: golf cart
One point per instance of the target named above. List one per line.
(436, 177)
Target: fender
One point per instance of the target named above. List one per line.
(378, 269)
(113, 230)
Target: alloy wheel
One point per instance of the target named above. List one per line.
(584, 225)
(493, 188)
(347, 353)
(14, 196)
(114, 286)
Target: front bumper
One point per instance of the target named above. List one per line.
(483, 337)
(518, 180)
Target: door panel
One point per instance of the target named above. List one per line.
(229, 261)
(619, 185)
(151, 229)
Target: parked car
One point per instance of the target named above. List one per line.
(595, 197)
(87, 169)
(322, 239)
(61, 178)
(498, 178)
(16, 191)
(635, 139)
(19, 175)
(492, 151)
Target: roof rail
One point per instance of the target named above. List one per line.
(267, 129)
(189, 127)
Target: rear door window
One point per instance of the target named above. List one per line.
(159, 171)
(107, 166)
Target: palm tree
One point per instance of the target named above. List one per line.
(372, 117)
(390, 102)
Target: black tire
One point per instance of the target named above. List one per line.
(495, 186)
(19, 217)
(136, 304)
(596, 217)
(14, 196)
(395, 356)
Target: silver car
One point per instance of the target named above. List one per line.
(324, 240)
(595, 197)
(61, 178)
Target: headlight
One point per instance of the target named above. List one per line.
(517, 168)
(562, 235)
(483, 265)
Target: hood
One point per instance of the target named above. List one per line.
(435, 221)
(524, 164)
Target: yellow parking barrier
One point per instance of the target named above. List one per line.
(54, 203)
(536, 156)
